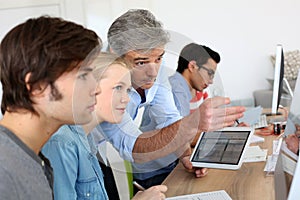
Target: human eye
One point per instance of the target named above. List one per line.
(140, 64)
(118, 87)
(211, 72)
(159, 59)
(83, 76)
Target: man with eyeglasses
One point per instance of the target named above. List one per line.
(195, 71)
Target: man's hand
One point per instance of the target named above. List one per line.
(199, 172)
(185, 160)
(214, 115)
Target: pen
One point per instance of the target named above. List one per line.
(279, 136)
(138, 186)
(237, 121)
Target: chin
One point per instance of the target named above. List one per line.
(114, 121)
(82, 121)
(147, 86)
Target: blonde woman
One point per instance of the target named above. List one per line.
(72, 152)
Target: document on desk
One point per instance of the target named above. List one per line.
(255, 154)
(251, 115)
(256, 139)
(214, 195)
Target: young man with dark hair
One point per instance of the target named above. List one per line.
(47, 82)
(195, 71)
(140, 39)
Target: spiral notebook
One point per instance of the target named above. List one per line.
(214, 195)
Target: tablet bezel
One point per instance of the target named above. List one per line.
(223, 165)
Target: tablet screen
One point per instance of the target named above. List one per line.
(221, 147)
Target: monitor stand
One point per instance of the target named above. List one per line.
(273, 114)
(288, 87)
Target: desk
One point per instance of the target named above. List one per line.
(247, 183)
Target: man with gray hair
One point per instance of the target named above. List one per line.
(163, 135)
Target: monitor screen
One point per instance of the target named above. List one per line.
(278, 79)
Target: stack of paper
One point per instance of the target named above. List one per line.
(255, 154)
(256, 139)
(252, 115)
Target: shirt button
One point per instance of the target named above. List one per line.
(88, 194)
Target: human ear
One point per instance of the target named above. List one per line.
(34, 89)
(192, 65)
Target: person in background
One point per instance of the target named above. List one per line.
(195, 71)
(197, 65)
(163, 135)
(44, 72)
(72, 151)
(292, 140)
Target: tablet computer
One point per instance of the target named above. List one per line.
(223, 149)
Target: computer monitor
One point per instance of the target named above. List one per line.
(278, 80)
(287, 184)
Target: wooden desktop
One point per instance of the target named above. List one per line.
(248, 183)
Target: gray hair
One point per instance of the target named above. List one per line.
(137, 29)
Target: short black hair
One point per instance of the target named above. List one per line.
(197, 52)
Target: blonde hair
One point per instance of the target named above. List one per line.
(104, 60)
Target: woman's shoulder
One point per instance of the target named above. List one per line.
(65, 134)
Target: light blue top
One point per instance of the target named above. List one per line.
(77, 173)
(160, 111)
(181, 93)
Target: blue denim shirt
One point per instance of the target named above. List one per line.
(160, 111)
(77, 173)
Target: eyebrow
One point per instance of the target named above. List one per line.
(123, 83)
(146, 58)
(88, 69)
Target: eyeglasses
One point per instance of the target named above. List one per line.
(210, 72)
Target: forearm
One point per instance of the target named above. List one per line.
(171, 139)
(211, 115)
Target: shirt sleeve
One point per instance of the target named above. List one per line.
(64, 162)
(122, 136)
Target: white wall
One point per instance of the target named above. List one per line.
(244, 32)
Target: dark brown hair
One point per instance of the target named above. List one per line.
(46, 47)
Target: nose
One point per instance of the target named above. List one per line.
(152, 69)
(96, 87)
(97, 90)
(125, 98)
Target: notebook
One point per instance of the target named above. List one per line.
(215, 195)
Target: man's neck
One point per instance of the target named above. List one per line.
(31, 129)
